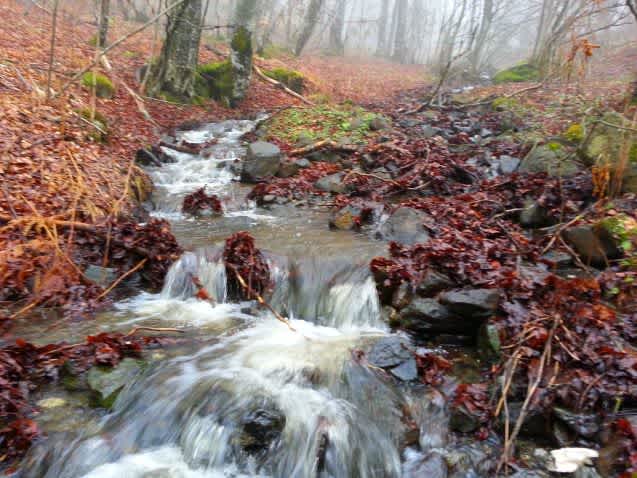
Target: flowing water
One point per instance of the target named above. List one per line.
(251, 397)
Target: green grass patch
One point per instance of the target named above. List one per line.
(104, 87)
(575, 133)
(322, 122)
(290, 78)
(517, 74)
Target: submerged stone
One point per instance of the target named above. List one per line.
(390, 352)
(107, 382)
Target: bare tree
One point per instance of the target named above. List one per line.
(400, 39)
(309, 24)
(382, 29)
(337, 46)
(103, 23)
(632, 6)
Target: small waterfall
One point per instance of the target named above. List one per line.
(332, 293)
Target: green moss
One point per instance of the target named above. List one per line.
(215, 80)
(271, 51)
(632, 155)
(290, 78)
(130, 54)
(575, 133)
(516, 74)
(321, 122)
(104, 87)
(555, 147)
(100, 132)
(501, 104)
(93, 40)
(242, 42)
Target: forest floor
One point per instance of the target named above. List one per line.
(69, 200)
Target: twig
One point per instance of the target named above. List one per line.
(561, 229)
(121, 278)
(375, 176)
(117, 43)
(52, 49)
(258, 297)
(324, 144)
(154, 329)
(625, 128)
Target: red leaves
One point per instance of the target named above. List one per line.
(242, 257)
(199, 202)
(431, 368)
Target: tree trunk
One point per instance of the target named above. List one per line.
(486, 22)
(309, 23)
(174, 72)
(241, 61)
(337, 46)
(400, 40)
(103, 27)
(382, 29)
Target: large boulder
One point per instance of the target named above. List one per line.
(263, 160)
(607, 145)
(405, 225)
(550, 159)
(594, 244)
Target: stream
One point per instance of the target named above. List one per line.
(249, 397)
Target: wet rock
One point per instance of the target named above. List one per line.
(390, 316)
(263, 160)
(432, 283)
(145, 157)
(402, 296)
(508, 164)
(405, 225)
(533, 215)
(379, 123)
(102, 276)
(432, 465)
(584, 424)
(429, 131)
(287, 169)
(332, 183)
(551, 160)
(558, 259)
(535, 425)
(594, 246)
(463, 422)
(303, 163)
(406, 371)
(390, 352)
(107, 382)
(489, 344)
(260, 428)
(428, 316)
(476, 460)
(346, 218)
(324, 157)
(51, 402)
(472, 303)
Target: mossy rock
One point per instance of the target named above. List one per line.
(322, 122)
(290, 78)
(517, 74)
(107, 382)
(104, 87)
(551, 159)
(216, 81)
(100, 132)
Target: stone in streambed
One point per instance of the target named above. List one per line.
(472, 303)
(263, 160)
(260, 428)
(348, 218)
(432, 283)
(390, 352)
(586, 425)
(428, 316)
(102, 276)
(107, 382)
(533, 215)
(287, 169)
(332, 183)
(593, 245)
(405, 226)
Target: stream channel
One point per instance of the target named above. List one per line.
(249, 397)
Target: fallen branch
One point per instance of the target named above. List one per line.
(258, 297)
(375, 176)
(278, 84)
(491, 99)
(324, 144)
